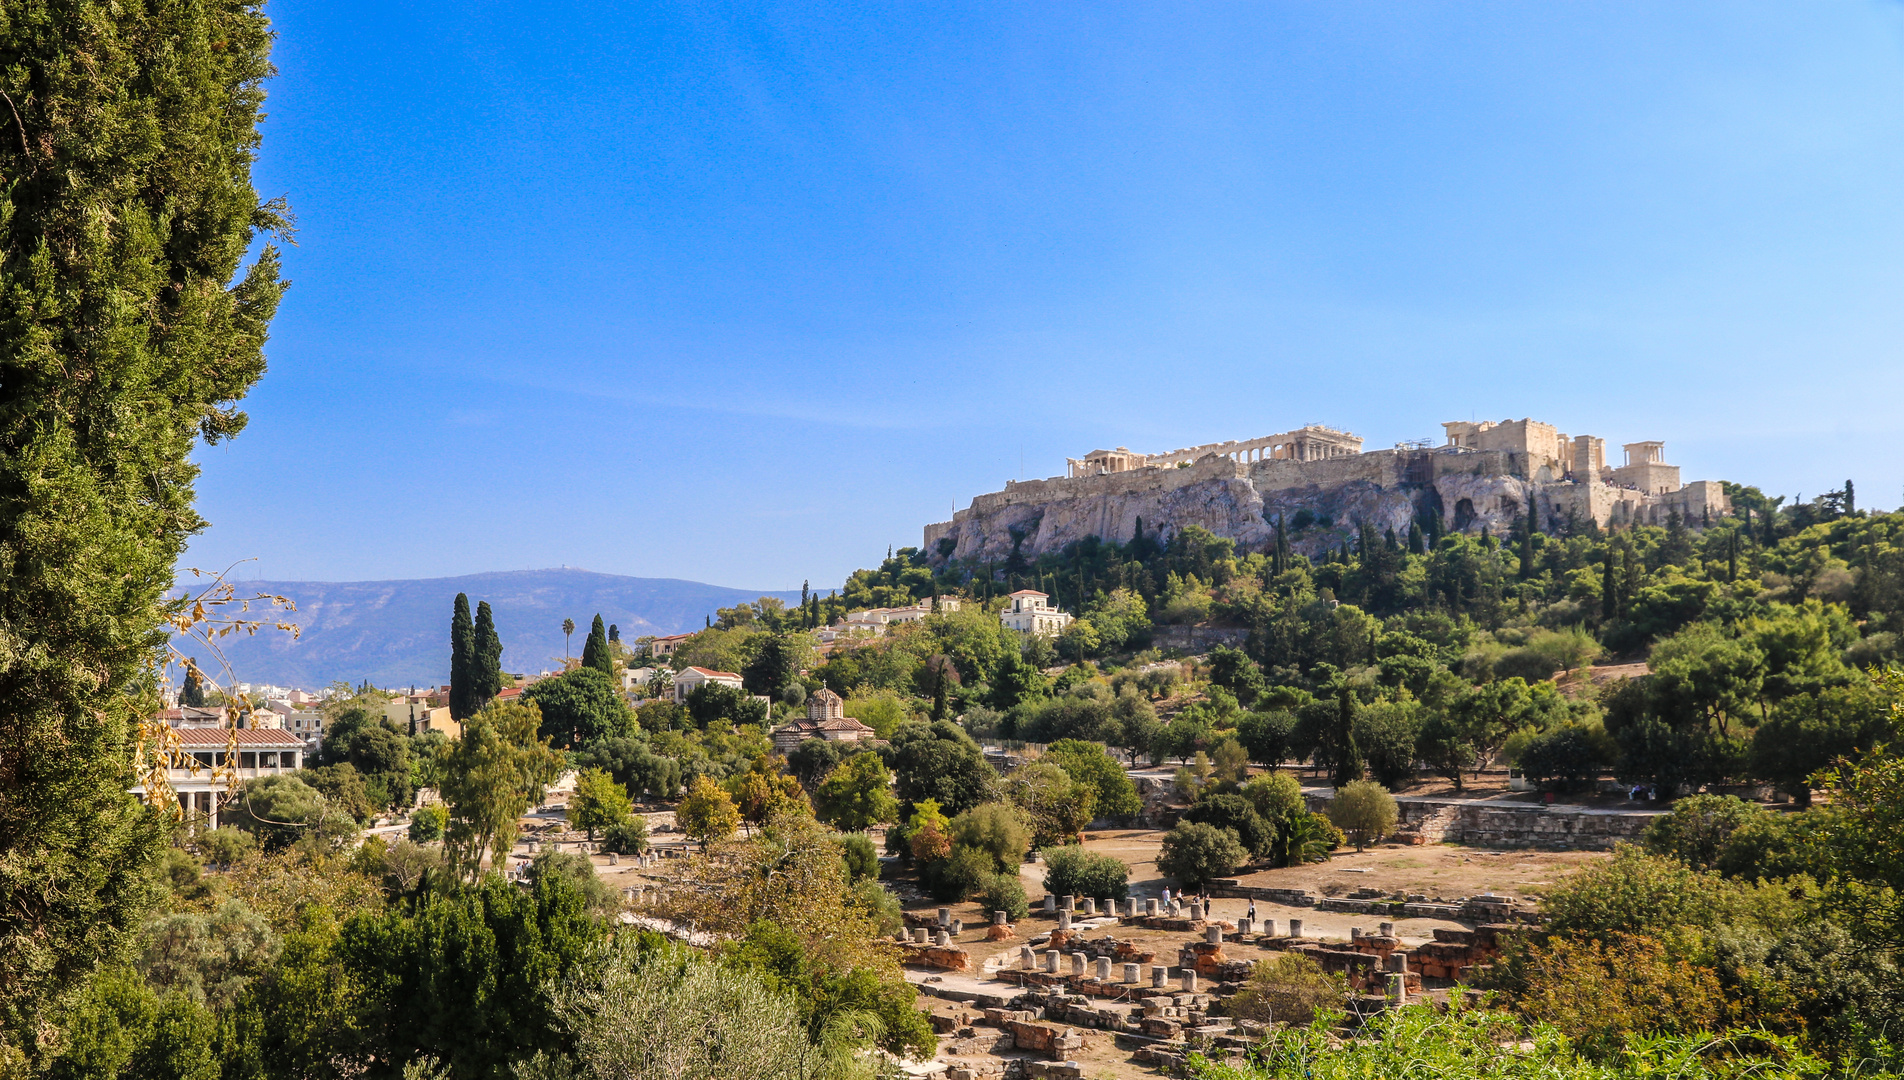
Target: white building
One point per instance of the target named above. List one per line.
(261, 752)
(691, 679)
(1030, 612)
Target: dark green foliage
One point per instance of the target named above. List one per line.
(862, 860)
(628, 836)
(1774, 845)
(775, 665)
(938, 761)
(813, 760)
(1235, 813)
(129, 328)
(1563, 759)
(714, 703)
(459, 975)
(827, 997)
(485, 666)
(1196, 853)
(634, 766)
(1698, 828)
(372, 746)
(1006, 893)
(596, 655)
(1233, 670)
(1088, 763)
(192, 694)
(1073, 871)
(121, 1027)
(1346, 764)
(462, 658)
(1386, 736)
(958, 875)
(1269, 737)
(580, 707)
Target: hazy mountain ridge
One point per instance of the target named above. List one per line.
(396, 633)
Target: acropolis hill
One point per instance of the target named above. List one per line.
(1483, 477)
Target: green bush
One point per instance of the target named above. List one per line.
(997, 829)
(958, 875)
(862, 862)
(1006, 893)
(1235, 813)
(1365, 811)
(1073, 871)
(1698, 828)
(629, 836)
(223, 847)
(428, 823)
(1196, 853)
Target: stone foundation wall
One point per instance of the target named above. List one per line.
(1513, 825)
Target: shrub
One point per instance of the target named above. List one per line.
(223, 847)
(956, 876)
(996, 829)
(1773, 846)
(629, 836)
(1073, 871)
(1601, 993)
(1647, 895)
(880, 904)
(427, 824)
(862, 862)
(1365, 811)
(1196, 853)
(1006, 893)
(1698, 828)
(1289, 990)
(1234, 812)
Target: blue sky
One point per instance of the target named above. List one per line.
(747, 293)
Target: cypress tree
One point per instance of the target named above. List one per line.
(1732, 556)
(1609, 590)
(1851, 499)
(192, 694)
(1527, 540)
(462, 657)
(130, 327)
(1414, 538)
(1771, 528)
(1348, 758)
(485, 669)
(614, 632)
(595, 651)
(1282, 546)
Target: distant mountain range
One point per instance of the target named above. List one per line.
(397, 633)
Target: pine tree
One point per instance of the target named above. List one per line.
(595, 652)
(485, 669)
(462, 657)
(130, 327)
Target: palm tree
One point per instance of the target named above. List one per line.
(568, 627)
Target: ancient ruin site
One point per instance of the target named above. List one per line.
(1484, 476)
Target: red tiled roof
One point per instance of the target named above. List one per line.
(216, 737)
(511, 693)
(1028, 592)
(714, 674)
(674, 637)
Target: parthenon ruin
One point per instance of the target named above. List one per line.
(1311, 442)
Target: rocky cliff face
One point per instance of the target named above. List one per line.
(1386, 489)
